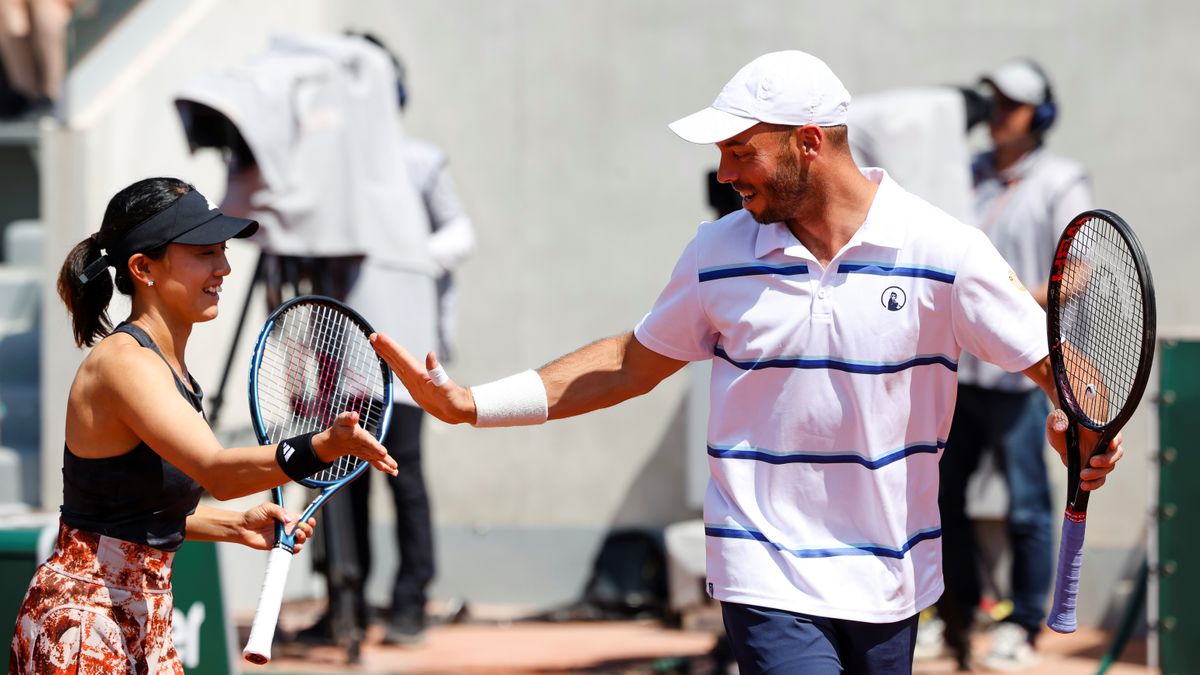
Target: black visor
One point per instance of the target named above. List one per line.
(190, 220)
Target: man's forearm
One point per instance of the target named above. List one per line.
(602, 374)
(1043, 376)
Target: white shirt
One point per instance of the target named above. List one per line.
(1023, 210)
(917, 135)
(832, 393)
(452, 235)
(319, 114)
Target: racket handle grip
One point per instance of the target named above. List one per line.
(270, 598)
(1066, 584)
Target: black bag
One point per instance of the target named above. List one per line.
(629, 577)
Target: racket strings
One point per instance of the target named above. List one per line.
(317, 363)
(1101, 322)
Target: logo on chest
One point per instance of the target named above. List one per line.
(893, 298)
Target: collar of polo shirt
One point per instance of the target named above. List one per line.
(777, 236)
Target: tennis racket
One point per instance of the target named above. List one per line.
(1100, 324)
(312, 361)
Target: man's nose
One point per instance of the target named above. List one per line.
(725, 172)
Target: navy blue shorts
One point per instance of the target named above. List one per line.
(775, 642)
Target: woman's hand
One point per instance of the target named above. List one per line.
(256, 527)
(346, 437)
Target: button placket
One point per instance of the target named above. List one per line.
(822, 306)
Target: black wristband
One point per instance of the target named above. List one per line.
(297, 457)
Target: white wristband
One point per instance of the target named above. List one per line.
(514, 401)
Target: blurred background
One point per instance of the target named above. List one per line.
(553, 115)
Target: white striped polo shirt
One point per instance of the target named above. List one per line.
(831, 397)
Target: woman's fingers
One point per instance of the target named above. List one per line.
(374, 452)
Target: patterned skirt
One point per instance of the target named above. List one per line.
(98, 606)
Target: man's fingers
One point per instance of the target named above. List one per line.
(437, 374)
(1056, 427)
(397, 356)
(1056, 422)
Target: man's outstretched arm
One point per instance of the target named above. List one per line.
(599, 375)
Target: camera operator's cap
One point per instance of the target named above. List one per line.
(1019, 80)
(790, 88)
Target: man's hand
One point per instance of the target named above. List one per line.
(1095, 470)
(449, 402)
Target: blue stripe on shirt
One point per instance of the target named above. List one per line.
(878, 550)
(888, 270)
(728, 271)
(816, 458)
(826, 363)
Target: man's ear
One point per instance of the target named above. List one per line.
(808, 139)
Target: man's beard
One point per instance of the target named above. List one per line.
(784, 192)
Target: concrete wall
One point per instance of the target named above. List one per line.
(554, 116)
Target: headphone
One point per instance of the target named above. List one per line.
(1045, 112)
(401, 92)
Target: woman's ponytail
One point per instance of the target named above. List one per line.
(86, 292)
(86, 301)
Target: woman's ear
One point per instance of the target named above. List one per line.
(139, 270)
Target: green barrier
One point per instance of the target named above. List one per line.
(202, 631)
(1179, 509)
(18, 562)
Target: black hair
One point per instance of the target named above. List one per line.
(401, 89)
(87, 303)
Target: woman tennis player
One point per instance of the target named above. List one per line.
(139, 452)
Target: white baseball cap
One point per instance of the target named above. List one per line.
(790, 88)
(1019, 80)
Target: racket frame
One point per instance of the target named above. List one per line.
(1077, 498)
(1070, 555)
(266, 616)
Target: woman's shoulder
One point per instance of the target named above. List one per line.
(117, 361)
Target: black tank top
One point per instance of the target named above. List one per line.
(137, 496)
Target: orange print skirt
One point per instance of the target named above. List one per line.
(98, 606)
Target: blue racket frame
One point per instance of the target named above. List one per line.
(328, 488)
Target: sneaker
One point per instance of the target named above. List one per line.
(931, 640)
(405, 628)
(319, 633)
(1011, 650)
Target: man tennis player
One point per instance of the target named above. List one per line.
(834, 306)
